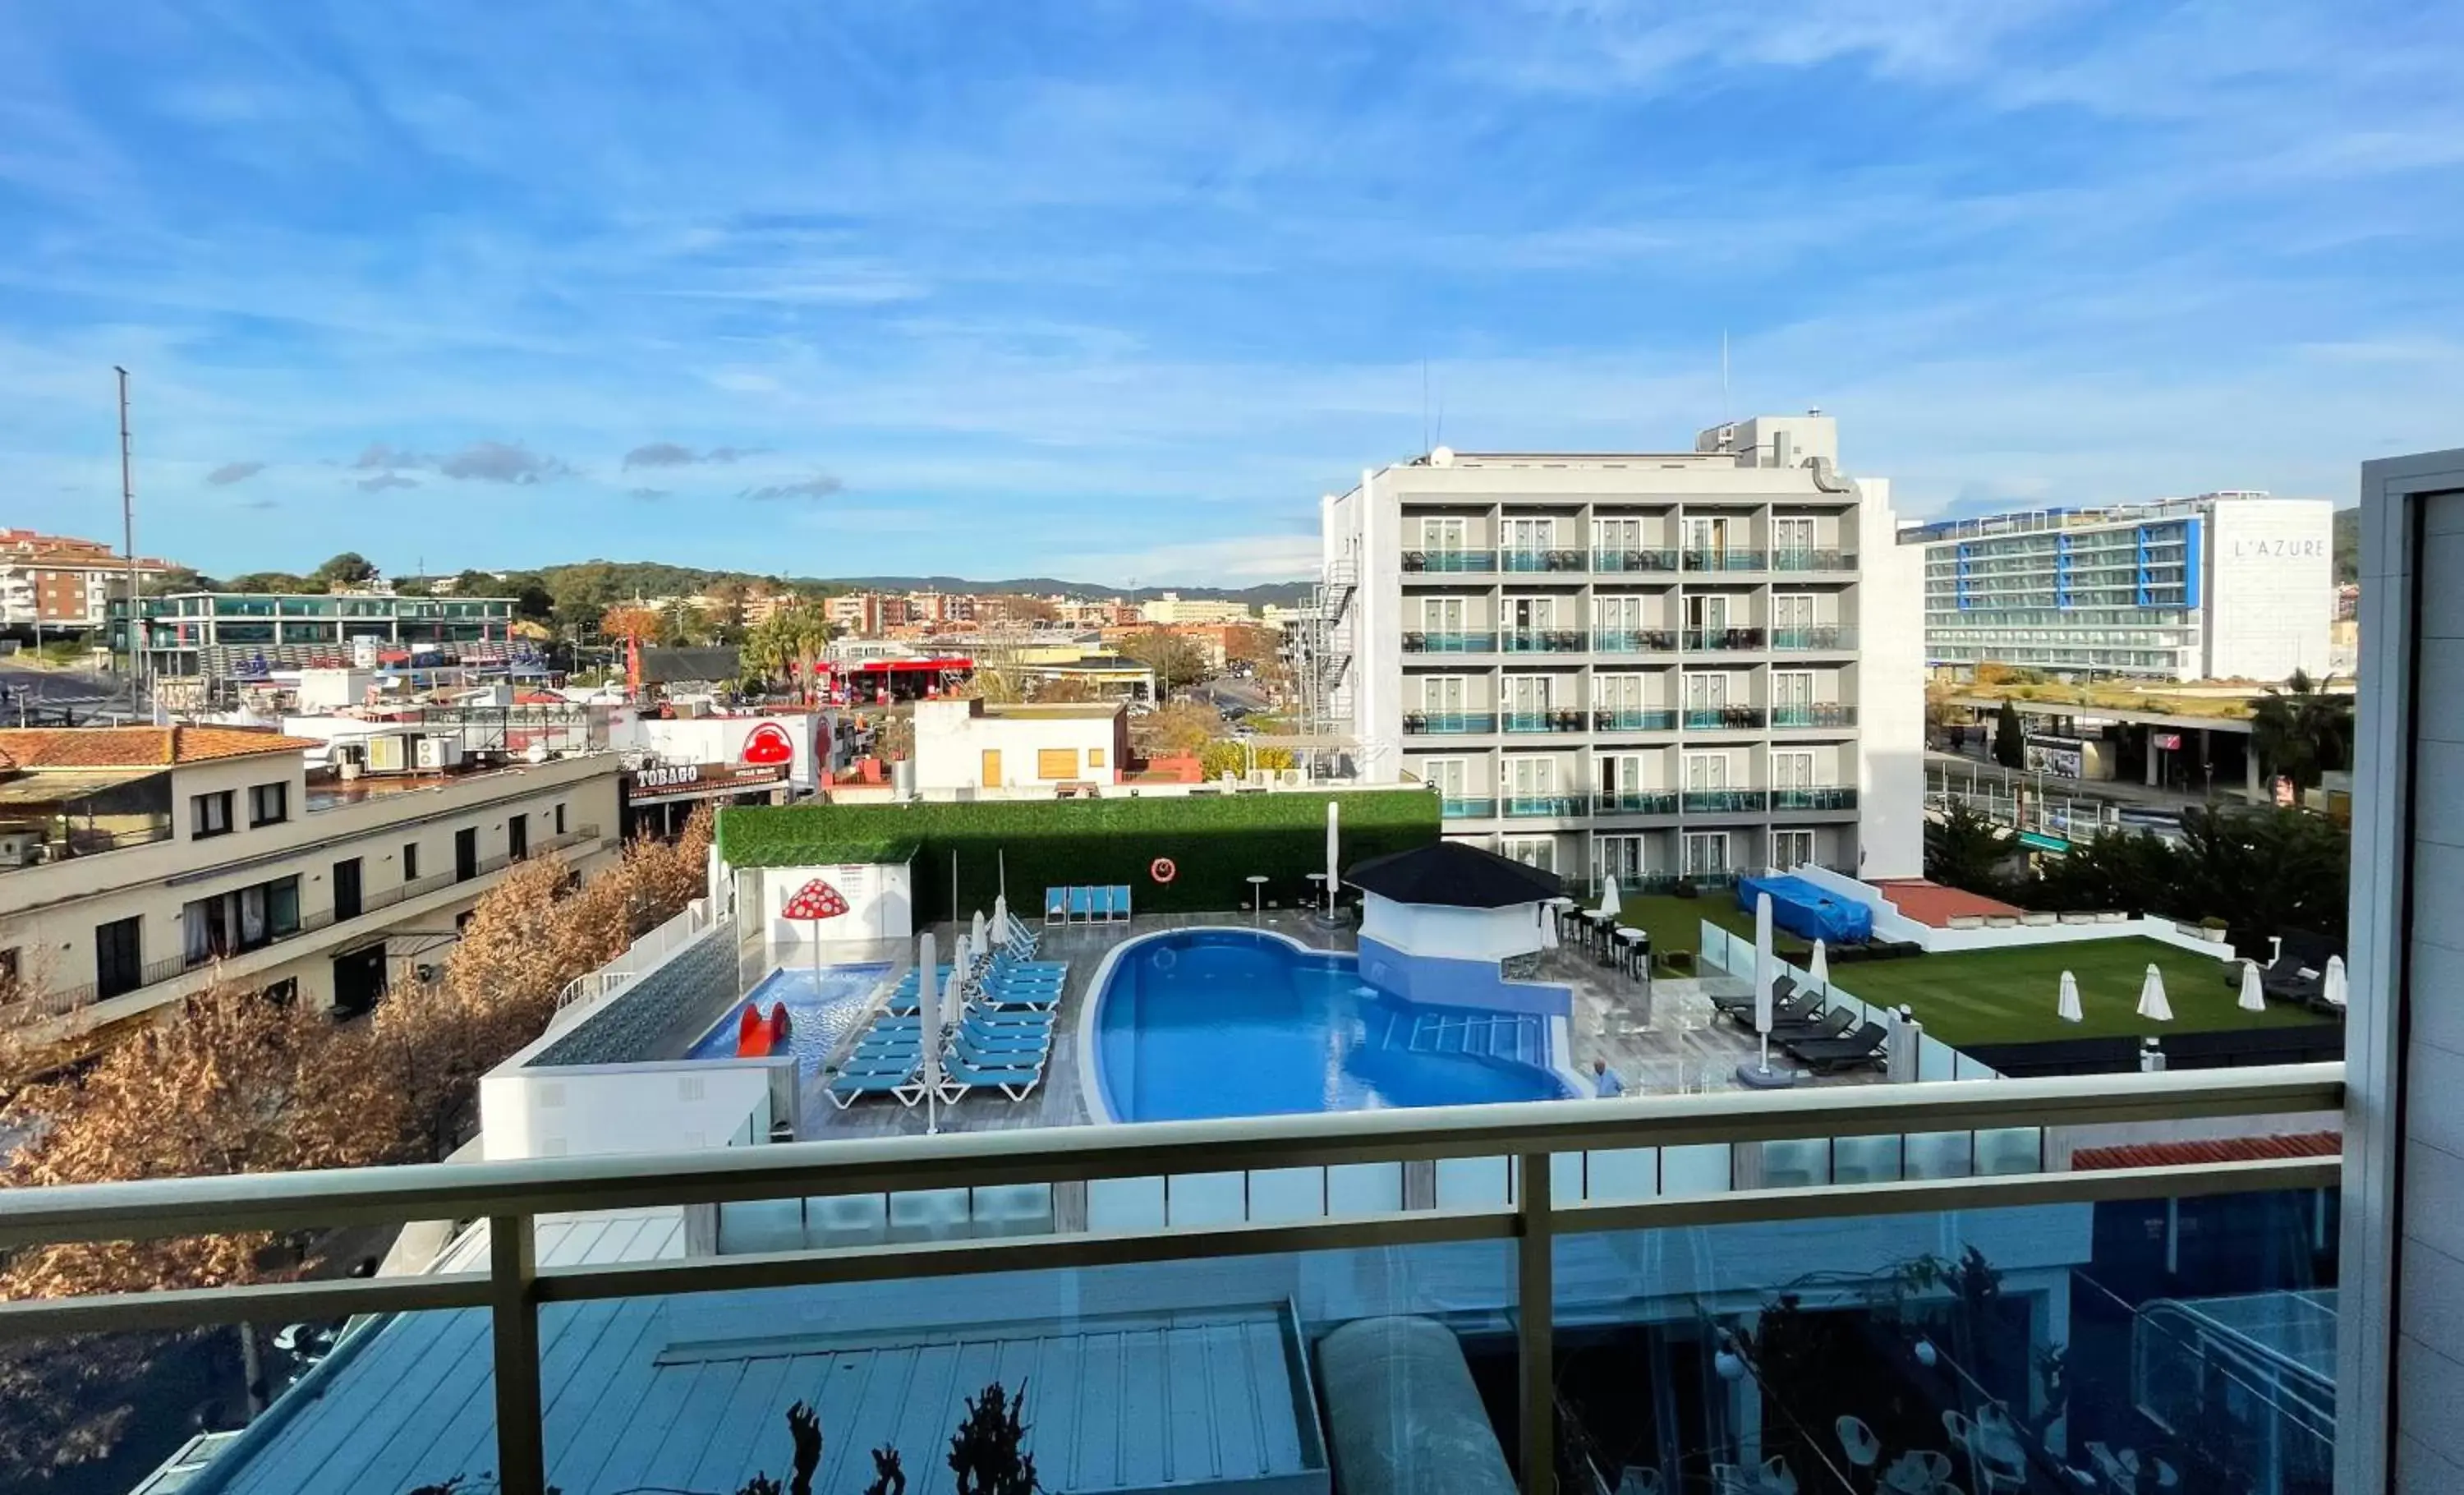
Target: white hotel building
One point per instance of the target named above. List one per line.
(1648, 664)
(2227, 586)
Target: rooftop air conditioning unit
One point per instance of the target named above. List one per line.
(389, 753)
(20, 847)
(437, 754)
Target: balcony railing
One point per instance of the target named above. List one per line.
(1547, 641)
(1716, 639)
(1456, 806)
(1448, 723)
(1551, 559)
(1828, 636)
(1573, 1181)
(1723, 718)
(1824, 713)
(1840, 798)
(1723, 558)
(81, 841)
(1547, 721)
(1419, 643)
(62, 1001)
(1633, 641)
(1640, 801)
(1798, 559)
(1634, 720)
(1456, 561)
(1723, 802)
(1634, 560)
(1542, 806)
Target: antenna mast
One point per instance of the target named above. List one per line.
(1725, 414)
(128, 538)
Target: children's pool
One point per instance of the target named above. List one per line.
(821, 1007)
(1230, 1022)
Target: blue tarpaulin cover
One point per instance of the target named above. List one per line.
(1807, 911)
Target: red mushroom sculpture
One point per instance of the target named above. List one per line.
(814, 902)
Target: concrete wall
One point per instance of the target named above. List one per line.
(1889, 923)
(687, 1105)
(652, 1018)
(1890, 694)
(1439, 982)
(1488, 935)
(2271, 588)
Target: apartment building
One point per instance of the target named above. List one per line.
(1173, 608)
(866, 614)
(1648, 666)
(2227, 586)
(217, 635)
(140, 863)
(61, 582)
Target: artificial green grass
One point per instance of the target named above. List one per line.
(2004, 996)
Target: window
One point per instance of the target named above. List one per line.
(346, 890)
(465, 854)
(1056, 764)
(1094, 758)
(269, 804)
(410, 861)
(10, 969)
(209, 815)
(1707, 853)
(236, 922)
(517, 837)
(1536, 852)
(118, 963)
(560, 820)
(1791, 848)
(1617, 856)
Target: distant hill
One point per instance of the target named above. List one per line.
(591, 584)
(1283, 594)
(2348, 546)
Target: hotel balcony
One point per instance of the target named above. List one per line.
(1723, 802)
(1838, 797)
(1551, 559)
(1419, 643)
(1823, 714)
(1627, 560)
(1723, 558)
(1461, 808)
(1633, 641)
(1456, 561)
(1723, 718)
(1797, 559)
(1547, 721)
(1642, 720)
(1546, 641)
(1448, 723)
(1716, 640)
(1640, 801)
(1543, 807)
(1825, 638)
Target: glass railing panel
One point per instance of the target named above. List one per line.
(1874, 1159)
(1695, 1168)
(1474, 1182)
(1621, 1176)
(2011, 1149)
(1936, 1060)
(1939, 1154)
(1796, 1163)
(1459, 808)
(1455, 560)
(1288, 1194)
(1634, 560)
(1125, 1204)
(1364, 1188)
(1212, 1198)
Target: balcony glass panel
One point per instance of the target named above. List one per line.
(1547, 721)
(1723, 560)
(1420, 642)
(1826, 637)
(1825, 798)
(1649, 719)
(1633, 641)
(1542, 806)
(1723, 802)
(1448, 723)
(1450, 561)
(1795, 558)
(1546, 641)
(1464, 807)
(1823, 714)
(1724, 718)
(1723, 639)
(1634, 560)
(1644, 802)
(1553, 559)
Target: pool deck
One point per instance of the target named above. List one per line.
(1663, 1043)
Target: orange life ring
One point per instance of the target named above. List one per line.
(1163, 870)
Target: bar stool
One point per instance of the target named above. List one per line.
(1634, 948)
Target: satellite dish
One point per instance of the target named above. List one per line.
(1443, 456)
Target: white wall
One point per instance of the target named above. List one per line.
(2271, 588)
(601, 1109)
(880, 903)
(724, 740)
(1890, 691)
(1451, 933)
(950, 742)
(1889, 923)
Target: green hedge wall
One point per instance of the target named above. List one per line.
(1216, 841)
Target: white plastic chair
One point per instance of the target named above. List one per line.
(1858, 1441)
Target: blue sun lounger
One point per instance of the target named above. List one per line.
(1017, 1082)
(904, 1084)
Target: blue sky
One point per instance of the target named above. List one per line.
(1114, 290)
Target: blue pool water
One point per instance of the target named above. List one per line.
(1227, 1022)
(821, 1007)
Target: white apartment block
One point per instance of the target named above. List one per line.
(2227, 586)
(139, 865)
(1649, 666)
(1173, 608)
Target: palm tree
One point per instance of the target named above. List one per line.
(2300, 732)
(790, 641)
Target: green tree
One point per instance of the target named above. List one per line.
(2300, 732)
(2010, 739)
(787, 645)
(1175, 660)
(1965, 849)
(350, 569)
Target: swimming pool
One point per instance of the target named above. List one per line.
(1233, 1023)
(821, 1007)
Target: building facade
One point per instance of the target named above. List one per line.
(968, 745)
(1171, 609)
(221, 634)
(1651, 667)
(61, 582)
(2227, 586)
(144, 864)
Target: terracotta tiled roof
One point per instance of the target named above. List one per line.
(2217, 1150)
(1931, 903)
(138, 747)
